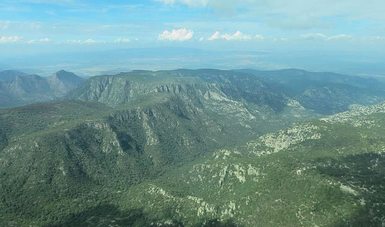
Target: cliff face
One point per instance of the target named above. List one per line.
(233, 99)
(225, 85)
(321, 172)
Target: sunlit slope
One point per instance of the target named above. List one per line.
(191, 147)
(322, 173)
(327, 172)
(323, 93)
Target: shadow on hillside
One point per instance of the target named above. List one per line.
(110, 215)
(107, 215)
(217, 223)
(3, 139)
(364, 171)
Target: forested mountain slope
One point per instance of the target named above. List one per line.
(195, 147)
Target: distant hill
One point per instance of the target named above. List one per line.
(9, 75)
(323, 93)
(62, 82)
(18, 88)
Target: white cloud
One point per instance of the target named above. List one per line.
(236, 36)
(299, 14)
(90, 41)
(10, 39)
(347, 7)
(313, 36)
(20, 26)
(216, 35)
(4, 25)
(122, 40)
(84, 42)
(321, 36)
(190, 3)
(181, 34)
(167, 2)
(60, 2)
(340, 37)
(259, 37)
(37, 41)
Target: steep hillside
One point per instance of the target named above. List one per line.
(193, 148)
(62, 82)
(122, 88)
(55, 152)
(101, 171)
(322, 93)
(322, 173)
(17, 88)
(241, 103)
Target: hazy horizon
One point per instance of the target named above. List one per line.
(92, 37)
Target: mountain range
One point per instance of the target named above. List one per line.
(18, 88)
(193, 148)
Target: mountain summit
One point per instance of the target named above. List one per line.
(18, 88)
(63, 81)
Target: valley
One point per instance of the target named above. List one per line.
(193, 148)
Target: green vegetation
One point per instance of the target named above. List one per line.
(196, 148)
(333, 175)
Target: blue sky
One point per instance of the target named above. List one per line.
(264, 34)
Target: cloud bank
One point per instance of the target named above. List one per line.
(236, 36)
(10, 39)
(298, 11)
(181, 34)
